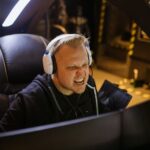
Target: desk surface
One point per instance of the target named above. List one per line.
(139, 95)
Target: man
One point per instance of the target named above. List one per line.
(66, 91)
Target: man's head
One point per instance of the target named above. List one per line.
(68, 58)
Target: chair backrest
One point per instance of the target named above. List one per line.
(20, 61)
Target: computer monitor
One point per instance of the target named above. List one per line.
(136, 127)
(96, 132)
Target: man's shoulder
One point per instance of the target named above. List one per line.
(37, 84)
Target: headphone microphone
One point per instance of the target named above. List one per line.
(96, 98)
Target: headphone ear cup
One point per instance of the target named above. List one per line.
(89, 56)
(48, 63)
(89, 53)
(54, 64)
(90, 60)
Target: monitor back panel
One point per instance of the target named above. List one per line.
(136, 127)
(93, 133)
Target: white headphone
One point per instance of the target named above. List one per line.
(49, 62)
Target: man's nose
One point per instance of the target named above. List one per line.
(81, 70)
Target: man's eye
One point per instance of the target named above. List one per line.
(85, 66)
(73, 68)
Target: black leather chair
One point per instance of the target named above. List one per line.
(20, 61)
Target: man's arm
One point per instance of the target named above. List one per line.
(112, 98)
(14, 117)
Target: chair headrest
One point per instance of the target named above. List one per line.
(21, 58)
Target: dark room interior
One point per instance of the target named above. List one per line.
(119, 35)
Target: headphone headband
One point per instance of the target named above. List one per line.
(49, 62)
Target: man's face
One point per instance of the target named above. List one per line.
(72, 69)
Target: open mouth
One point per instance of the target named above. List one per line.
(79, 81)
